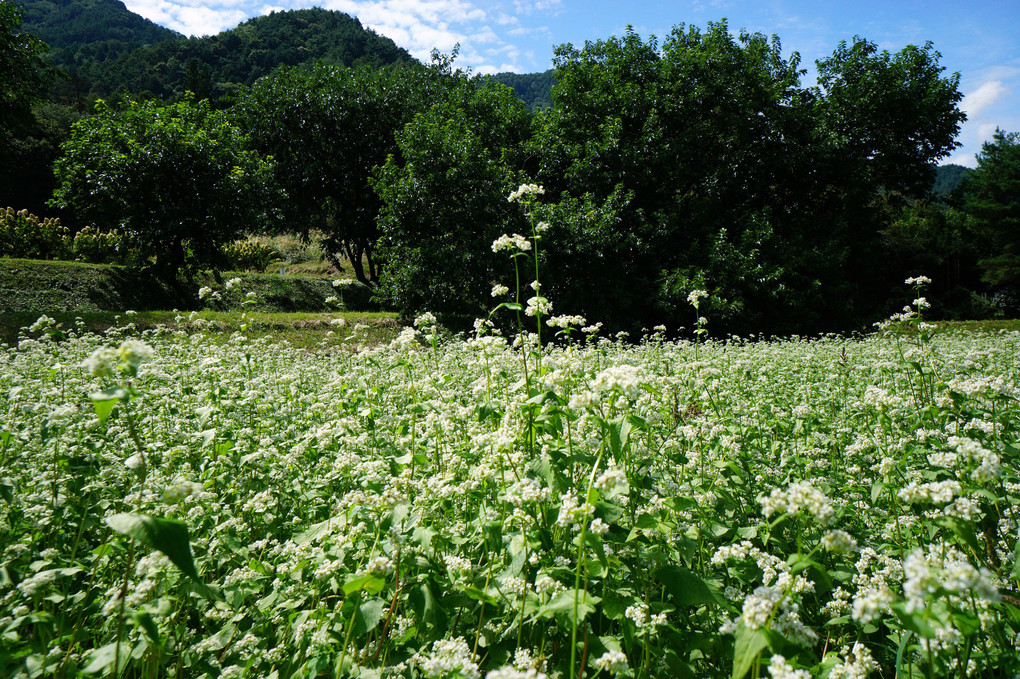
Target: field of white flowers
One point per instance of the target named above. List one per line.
(177, 506)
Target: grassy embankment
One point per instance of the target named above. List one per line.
(291, 307)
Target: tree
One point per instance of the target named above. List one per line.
(723, 172)
(444, 199)
(991, 200)
(327, 130)
(24, 74)
(179, 178)
(891, 115)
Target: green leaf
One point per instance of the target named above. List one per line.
(372, 584)
(963, 530)
(105, 400)
(749, 644)
(686, 588)
(104, 657)
(7, 490)
(368, 616)
(1015, 574)
(164, 535)
(561, 606)
(916, 622)
(619, 435)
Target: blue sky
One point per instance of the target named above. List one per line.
(980, 40)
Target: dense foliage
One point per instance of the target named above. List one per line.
(327, 129)
(177, 506)
(104, 56)
(991, 195)
(178, 179)
(534, 89)
(23, 73)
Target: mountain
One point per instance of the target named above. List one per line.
(534, 89)
(106, 49)
(948, 177)
(66, 23)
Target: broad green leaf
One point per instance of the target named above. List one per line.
(164, 535)
(372, 584)
(686, 588)
(746, 649)
(104, 657)
(561, 605)
(105, 400)
(368, 616)
(1015, 574)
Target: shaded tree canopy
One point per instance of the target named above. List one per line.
(179, 178)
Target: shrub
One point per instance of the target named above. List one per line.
(25, 235)
(250, 255)
(97, 246)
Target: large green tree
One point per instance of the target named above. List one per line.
(444, 199)
(724, 172)
(179, 178)
(991, 195)
(328, 129)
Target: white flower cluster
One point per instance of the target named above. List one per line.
(625, 378)
(184, 490)
(839, 542)
(643, 620)
(450, 657)
(232, 283)
(988, 463)
(612, 661)
(799, 498)
(695, 297)
(572, 512)
(780, 668)
(380, 566)
(858, 663)
(612, 482)
(944, 568)
(525, 190)
(565, 321)
(499, 290)
(425, 320)
(516, 242)
(538, 306)
(937, 492)
(918, 280)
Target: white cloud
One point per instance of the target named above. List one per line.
(192, 17)
(983, 97)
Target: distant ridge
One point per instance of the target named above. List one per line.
(106, 49)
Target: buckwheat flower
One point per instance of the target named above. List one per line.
(514, 673)
(780, 668)
(626, 378)
(204, 292)
(538, 306)
(922, 303)
(132, 353)
(695, 297)
(332, 299)
(514, 242)
(612, 662)
(582, 400)
(917, 280)
(450, 657)
(101, 363)
(638, 614)
(379, 565)
(799, 498)
(858, 664)
(598, 527)
(611, 482)
(839, 542)
(525, 190)
(499, 290)
(542, 227)
(424, 320)
(232, 283)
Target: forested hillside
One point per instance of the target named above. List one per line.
(71, 23)
(104, 51)
(534, 89)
